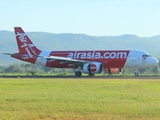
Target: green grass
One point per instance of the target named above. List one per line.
(80, 99)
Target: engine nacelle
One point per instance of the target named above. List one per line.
(94, 67)
(113, 70)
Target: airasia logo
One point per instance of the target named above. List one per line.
(97, 54)
(92, 67)
(23, 39)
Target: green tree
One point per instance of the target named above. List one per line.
(33, 72)
(13, 68)
(155, 70)
(141, 70)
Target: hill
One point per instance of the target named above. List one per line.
(51, 41)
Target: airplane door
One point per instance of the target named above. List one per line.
(132, 59)
(134, 56)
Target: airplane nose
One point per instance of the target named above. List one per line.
(155, 61)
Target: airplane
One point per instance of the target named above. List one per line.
(90, 62)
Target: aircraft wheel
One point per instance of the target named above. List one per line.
(136, 74)
(78, 73)
(91, 74)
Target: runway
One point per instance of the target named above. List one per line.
(85, 77)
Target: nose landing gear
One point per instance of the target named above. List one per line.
(136, 72)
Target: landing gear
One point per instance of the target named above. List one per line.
(91, 74)
(78, 73)
(136, 72)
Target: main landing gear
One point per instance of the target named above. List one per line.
(136, 72)
(78, 73)
(91, 74)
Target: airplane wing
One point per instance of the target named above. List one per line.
(62, 60)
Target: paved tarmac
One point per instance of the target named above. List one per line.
(87, 77)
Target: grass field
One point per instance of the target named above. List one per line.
(79, 99)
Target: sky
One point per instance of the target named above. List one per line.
(91, 17)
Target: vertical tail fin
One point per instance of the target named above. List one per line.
(23, 42)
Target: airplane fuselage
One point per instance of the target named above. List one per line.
(109, 58)
(88, 61)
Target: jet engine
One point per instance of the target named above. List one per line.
(113, 70)
(94, 67)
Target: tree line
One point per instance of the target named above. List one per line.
(32, 69)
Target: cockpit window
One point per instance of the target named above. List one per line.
(146, 55)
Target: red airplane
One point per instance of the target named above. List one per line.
(90, 62)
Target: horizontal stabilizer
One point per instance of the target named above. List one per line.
(16, 54)
(8, 53)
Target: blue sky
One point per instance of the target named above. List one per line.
(91, 17)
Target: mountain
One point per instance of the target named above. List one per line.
(51, 41)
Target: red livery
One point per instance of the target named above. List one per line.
(89, 61)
